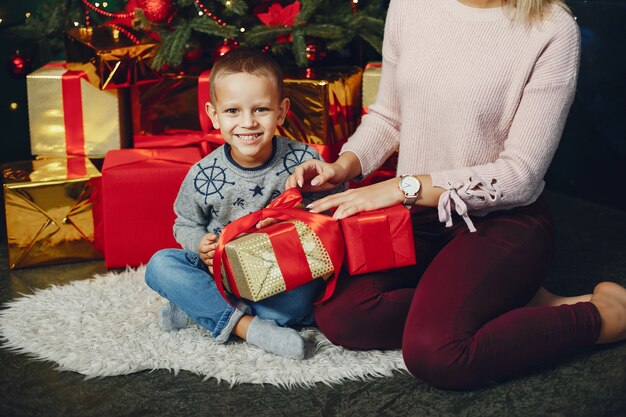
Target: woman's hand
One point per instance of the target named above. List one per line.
(315, 175)
(372, 197)
(206, 248)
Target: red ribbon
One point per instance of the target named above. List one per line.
(281, 208)
(72, 109)
(204, 96)
(176, 138)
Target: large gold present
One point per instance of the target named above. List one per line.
(69, 116)
(325, 109)
(52, 211)
(110, 57)
(371, 79)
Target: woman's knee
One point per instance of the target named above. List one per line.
(446, 366)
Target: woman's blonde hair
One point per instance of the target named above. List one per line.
(533, 10)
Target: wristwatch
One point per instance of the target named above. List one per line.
(410, 186)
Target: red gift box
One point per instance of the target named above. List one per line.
(139, 189)
(379, 239)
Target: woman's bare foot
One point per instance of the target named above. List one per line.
(610, 299)
(546, 298)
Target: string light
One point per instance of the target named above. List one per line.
(105, 4)
(76, 24)
(27, 15)
(13, 106)
(0, 20)
(242, 30)
(97, 4)
(121, 15)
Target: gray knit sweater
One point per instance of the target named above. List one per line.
(217, 190)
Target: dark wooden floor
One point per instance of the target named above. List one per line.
(591, 247)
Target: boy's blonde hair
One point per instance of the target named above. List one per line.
(250, 61)
(531, 11)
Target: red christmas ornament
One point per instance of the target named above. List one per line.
(18, 65)
(193, 53)
(222, 49)
(314, 52)
(156, 11)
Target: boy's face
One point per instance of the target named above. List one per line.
(247, 111)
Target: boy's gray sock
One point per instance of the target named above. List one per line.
(281, 341)
(171, 317)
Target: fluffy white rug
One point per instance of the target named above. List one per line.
(107, 326)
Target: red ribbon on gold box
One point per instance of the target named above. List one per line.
(378, 240)
(259, 263)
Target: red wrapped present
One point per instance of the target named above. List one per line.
(139, 189)
(379, 239)
(171, 113)
(259, 263)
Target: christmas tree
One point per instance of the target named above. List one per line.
(304, 32)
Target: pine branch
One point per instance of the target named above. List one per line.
(237, 7)
(261, 35)
(208, 26)
(184, 3)
(324, 31)
(307, 9)
(299, 48)
(172, 47)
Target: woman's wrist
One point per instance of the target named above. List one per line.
(349, 164)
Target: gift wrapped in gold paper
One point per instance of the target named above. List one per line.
(168, 104)
(111, 58)
(325, 109)
(255, 264)
(371, 79)
(69, 116)
(52, 211)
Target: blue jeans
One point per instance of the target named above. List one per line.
(182, 278)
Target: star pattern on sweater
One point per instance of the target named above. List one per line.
(258, 190)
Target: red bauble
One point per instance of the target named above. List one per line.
(18, 66)
(315, 52)
(222, 49)
(193, 53)
(156, 11)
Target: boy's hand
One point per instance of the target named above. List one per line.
(206, 248)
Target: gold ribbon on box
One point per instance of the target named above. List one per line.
(69, 116)
(325, 110)
(109, 58)
(371, 79)
(50, 213)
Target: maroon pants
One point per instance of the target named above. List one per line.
(460, 314)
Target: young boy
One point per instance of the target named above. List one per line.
(240, 177)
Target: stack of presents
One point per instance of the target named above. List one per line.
(112, 140)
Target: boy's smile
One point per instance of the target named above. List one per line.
(247, 111)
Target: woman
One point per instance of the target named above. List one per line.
(474, 95)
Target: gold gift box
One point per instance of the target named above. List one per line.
(168, 104)
(255, 267)
(109, 57)
(49, 211)
(106, 124)
(371, 79)
(325, 109)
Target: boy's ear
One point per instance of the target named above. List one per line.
(212, 113)
(283, 108)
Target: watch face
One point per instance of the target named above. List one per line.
(410, 185)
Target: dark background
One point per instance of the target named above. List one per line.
(590, 163)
